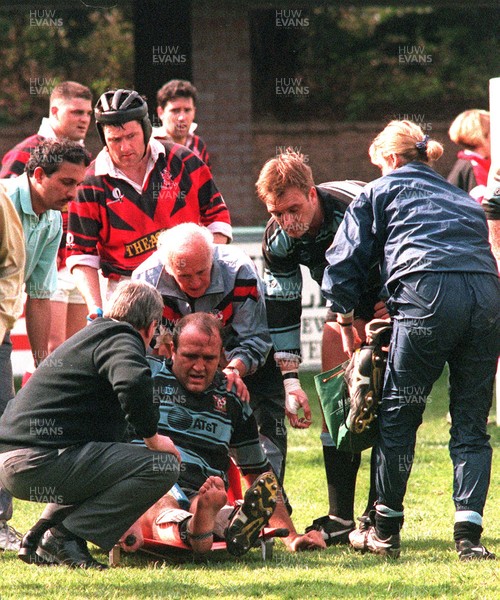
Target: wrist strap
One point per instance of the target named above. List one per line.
(233, 369)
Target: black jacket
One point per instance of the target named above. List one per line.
(86, 390)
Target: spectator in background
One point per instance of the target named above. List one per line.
(443, 292)
(471, 131)
(70, 111)
(53, 172)
(177, 109)
(136, 187)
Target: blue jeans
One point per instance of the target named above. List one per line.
(440, 318)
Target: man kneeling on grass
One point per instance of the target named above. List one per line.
(62, 438)
(207, 424)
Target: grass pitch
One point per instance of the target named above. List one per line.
(428, 566)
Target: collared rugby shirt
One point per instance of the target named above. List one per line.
(206, 428)
(194, 143)
(283, 256)
(198, 146)
(114, 222)
(234, 296)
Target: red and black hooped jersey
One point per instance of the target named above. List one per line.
(14, 161)
(112, 221)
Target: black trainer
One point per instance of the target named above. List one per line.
(64, 551)
(253, 515)
(469, 551)
(333, 529)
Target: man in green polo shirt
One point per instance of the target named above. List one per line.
(53, 172)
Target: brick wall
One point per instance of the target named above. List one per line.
(337, 151)
(221, 72)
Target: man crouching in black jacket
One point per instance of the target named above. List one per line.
(61, 437)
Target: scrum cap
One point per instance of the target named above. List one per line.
(117, 107)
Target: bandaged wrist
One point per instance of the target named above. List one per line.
(233, 370)
(291, 385)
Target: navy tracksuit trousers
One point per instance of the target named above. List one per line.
(440, 318)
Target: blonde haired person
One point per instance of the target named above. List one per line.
(471, 131)
(441, 281)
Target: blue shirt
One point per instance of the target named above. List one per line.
(42, 235)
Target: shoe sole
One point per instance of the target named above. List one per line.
(254, 514)
(363, 414)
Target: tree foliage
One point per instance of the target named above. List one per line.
(340, 64)
(93, 47)
(370, 63)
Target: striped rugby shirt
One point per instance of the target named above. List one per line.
(283, 256)
(15, 159)
(234, 295)
(193, 142)
(206, 428)
(113, 226)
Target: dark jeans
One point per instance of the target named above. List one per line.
(108, 485)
